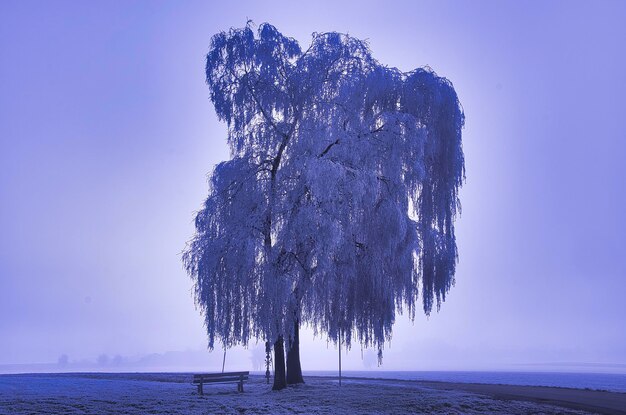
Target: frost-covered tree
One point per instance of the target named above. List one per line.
(339, 198)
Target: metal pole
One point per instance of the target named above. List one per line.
(224, 361)
(339, 357)
(268, 357)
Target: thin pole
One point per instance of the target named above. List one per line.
(268, 356)
(224, 361)
(339, 357)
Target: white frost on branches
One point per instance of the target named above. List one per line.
(340, 197)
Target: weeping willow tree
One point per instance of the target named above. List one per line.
(338, 201)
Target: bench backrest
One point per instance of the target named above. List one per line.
(220, 377)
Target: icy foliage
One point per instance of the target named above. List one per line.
(341, 194)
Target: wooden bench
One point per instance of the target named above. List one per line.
(228, 377)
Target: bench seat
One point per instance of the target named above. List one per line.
(228, 377)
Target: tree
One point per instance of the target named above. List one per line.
(339, 197)
(63, 360)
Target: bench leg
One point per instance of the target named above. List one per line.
(200, 391)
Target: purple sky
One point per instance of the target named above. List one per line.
(107, 134)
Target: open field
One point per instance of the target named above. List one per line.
(172, 393)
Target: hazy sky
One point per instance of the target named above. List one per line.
(107, 135)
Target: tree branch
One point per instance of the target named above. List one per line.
(327, 149)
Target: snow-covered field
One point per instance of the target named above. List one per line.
(174, 394)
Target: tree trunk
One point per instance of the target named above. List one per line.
(280, 381)
(294, 370)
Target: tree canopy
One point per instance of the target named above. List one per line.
(339, 200)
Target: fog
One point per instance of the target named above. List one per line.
(107, 135)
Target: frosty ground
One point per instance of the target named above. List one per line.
(174, 394)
